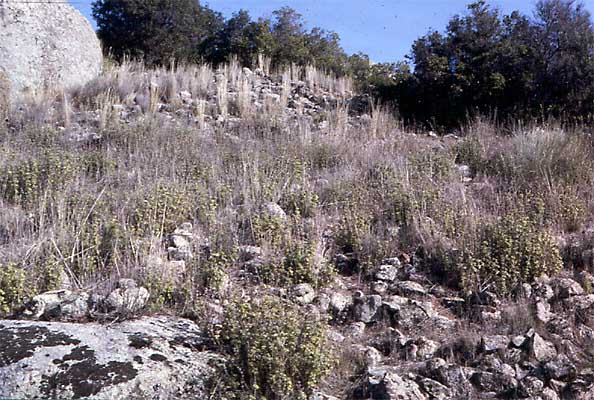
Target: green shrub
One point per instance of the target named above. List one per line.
(23, 183)
(512, 251)
(161, 210)
(297, 265)
(300, 202)
(275, 350)
(13, 288)
(212, 272)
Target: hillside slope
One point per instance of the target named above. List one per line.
(316, 244)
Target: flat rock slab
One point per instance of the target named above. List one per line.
(156, 358)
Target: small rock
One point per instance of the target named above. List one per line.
(494, 343)
(365, 308)
(560, 367)
(322, 396)
(493, 382)
(543, 311)
(127, 298)
(372, 356)
(386, 273)
(384, 384)
(248, 253)
(379, 287)
(356, 329)
(565, 288)
(531, 386)
(335, 337)
(393, 261)
(434, 389)
(549, 394)
(586, 279)
(274, 211)
(339, 302)
(426, 348)
(518, 341)
(408, 288)
(58, 304)
(540, 349)
(302, 293)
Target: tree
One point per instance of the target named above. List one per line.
(508, 65)
(565, 52)
(241, 37)
(294, 44)
(289, 35)
(155, 30)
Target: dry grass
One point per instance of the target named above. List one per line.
(99, 208)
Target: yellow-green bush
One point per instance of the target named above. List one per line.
(161, 210)
(23, 182)
(275, 350)
(295, 266)
(13, 288)
(512, 251)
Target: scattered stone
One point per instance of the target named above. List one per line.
(434, 389)
(274, 211)
(565, 288)
(560, 367)
(127, 297)
(248, 253)
(181, 243)
(386, 273)
(540, 349)
(408, 288)
(549, 394)
(339, 302)
(58, 305)
(365, 308)
(385, 384)
(426, 348)
(302, 294)
(322, 396)
(494, 343)
(518, 341)
(531, 386)
(372, 356)
(379, 287)
(494, 382)
(393, 261)
(356, 329)
(543, 311)
(585, 279)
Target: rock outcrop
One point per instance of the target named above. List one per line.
(46, 44)
(149, 358)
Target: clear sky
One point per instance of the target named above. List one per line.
(384, 29)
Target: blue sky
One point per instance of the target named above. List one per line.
(384, 29)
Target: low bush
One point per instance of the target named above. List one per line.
(13, 288)
(511, 251)
(275, 350)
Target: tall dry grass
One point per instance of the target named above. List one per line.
(101, 208)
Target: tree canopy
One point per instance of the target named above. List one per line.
(512, 65)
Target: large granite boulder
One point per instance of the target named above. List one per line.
(150, 358)
(46, 44)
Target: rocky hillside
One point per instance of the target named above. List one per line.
(238, 234)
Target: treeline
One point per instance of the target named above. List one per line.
(508, 66)
(161, 30)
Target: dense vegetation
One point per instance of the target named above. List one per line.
(510, 66)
